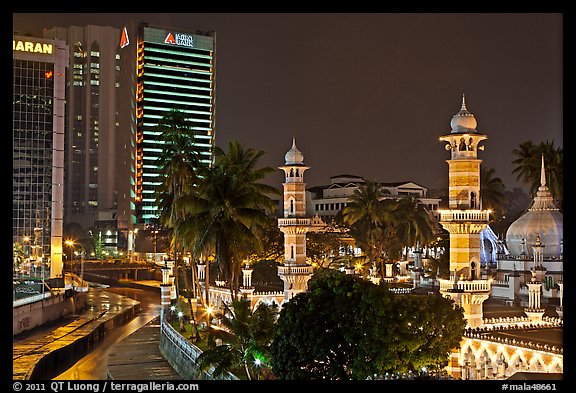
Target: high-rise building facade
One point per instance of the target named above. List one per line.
(39, 72)
(92, 183)
(163, 69)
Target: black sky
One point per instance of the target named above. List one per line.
(369, 94)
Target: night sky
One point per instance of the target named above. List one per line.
(369, 94)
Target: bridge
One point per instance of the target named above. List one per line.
(116, 269)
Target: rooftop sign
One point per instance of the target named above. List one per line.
(32, 47)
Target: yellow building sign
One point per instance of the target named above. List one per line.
(32, 47)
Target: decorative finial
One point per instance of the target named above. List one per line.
(463, 102)
(293, 143)
(542, 173)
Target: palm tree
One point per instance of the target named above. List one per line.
(417, 224)
(179, 163)
(364, 216)
(492, 189)
(228, 213)
(246, 337)
(528, 167)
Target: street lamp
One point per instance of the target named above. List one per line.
(155, 232)
(71, 244)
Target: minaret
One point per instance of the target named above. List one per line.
(465, 218)
(534, 310)
(295, 271)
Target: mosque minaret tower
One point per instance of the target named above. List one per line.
(465, 219)
(295, 271)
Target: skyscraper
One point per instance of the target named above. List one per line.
(163, 68)
(92, 127)
(39, 68)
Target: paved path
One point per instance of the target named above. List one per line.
(135, 357)
(138, 356)
(30, 347)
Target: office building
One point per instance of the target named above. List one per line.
(163, 68)
(39, 69)
(92, 182)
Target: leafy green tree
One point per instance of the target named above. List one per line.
(528, 166)
(323, 247)
(245, 339)
(17, 255)
(272, 243)
(344, 327)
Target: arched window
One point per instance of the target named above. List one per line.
(297, 172)
(462, 146)
(473, 271)
(291, 252)
(291, 172)
(291, 206)
(472, 200)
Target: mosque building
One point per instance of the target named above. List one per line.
(521, 336)
(513, 307)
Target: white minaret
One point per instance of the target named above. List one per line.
(295, 271)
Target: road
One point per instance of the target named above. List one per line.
(93, 366)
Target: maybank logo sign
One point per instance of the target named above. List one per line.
(180, 39)
(32, 47)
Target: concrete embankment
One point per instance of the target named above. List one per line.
(40, 357)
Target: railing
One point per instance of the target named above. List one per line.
(486, 333)
(464, 215)
(31, 299)
(295, 269)
(466, 286)
(294, 221)
(189, 350)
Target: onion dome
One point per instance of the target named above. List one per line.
(294, 156)
(463, 121)
(542, 220)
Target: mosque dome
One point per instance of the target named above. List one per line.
(294, 156)
(543, 219)
(463, 121)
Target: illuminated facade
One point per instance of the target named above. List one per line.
(39, 69)
(165, 69)
(295, 270)
(465, 219)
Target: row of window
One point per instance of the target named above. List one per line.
(330, 206)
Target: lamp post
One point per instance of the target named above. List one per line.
(155, 233)
(71, 244)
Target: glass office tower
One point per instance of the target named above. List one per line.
(173, 69)
(39, 71)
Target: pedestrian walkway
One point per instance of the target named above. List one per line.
(138, 356)
(31, 349)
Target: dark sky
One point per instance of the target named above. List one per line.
(369, 94)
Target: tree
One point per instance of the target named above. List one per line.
(528, 166)
(344, 327)
(245, 340)
(17, 256)
(493, 194)
(227, 214)
(272, 243)
(364, 216)
(179, 163)
(417, 224)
